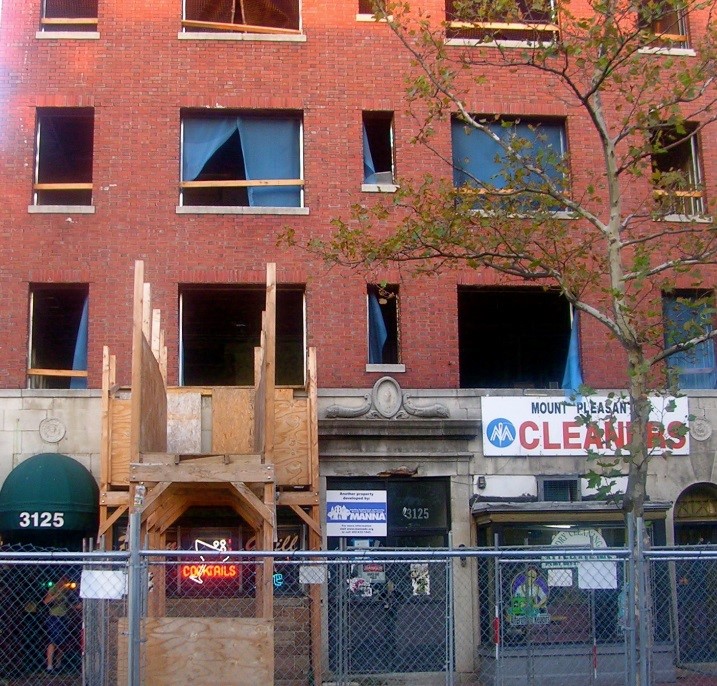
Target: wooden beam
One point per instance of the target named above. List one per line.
(305, 498)
(307, 519)
(248, 28)
(240, 183)
(504, 26)
(36, 371)
(205, 459)
(252, 500)
(151, 500)
(62, 186)
(136, 397)
(147, 311)
(143, 471)
(109, 521)
(59, 21)
(156, 329)
(114, 498)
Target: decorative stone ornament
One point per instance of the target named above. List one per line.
(52, 430)
(700, 429)
(388, 401)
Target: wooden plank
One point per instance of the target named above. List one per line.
(35, 371)
(152, 499)
(313, 419)
(62, 186)
(105, 420)
(306, 498)
(153, 417)
(307, 519)
(137, 337)
(59, 21)
(240, 183)
(120, 414)
(249, 28)
(232, 426)
(184, 422)
(270, 363)
(114, 498)
(185, 473)
(201, 651)
(291, 450)
(206, 459)
(156, 330)
(147, 311)
(251, 499)
(505, 26)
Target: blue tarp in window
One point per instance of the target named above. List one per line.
(684, 320)
(270, 147)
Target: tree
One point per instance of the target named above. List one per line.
(613, 238)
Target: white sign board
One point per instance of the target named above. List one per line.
(594, 572)
(531, 425)
(356, 513)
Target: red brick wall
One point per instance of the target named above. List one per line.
(137, 76)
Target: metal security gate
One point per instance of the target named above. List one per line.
(390, 615)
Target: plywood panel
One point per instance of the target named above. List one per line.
(119, 445)
(184, 423)
(291, 452)
(232, 420)
(153, 413)
(202, 651)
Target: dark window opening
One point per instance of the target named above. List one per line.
(221, 326)
(69, 15)
(676, 172)
(378, 147)
(367, 6)
(688, 314)
(559, 490)
(383, 325)
(522, 20)
(240, 159)
(58, 336)
(512, 338)
(64, 156)
(242, 15)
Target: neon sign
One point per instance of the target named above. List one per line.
(198, 572)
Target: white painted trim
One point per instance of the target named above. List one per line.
(61, 209)
(271, 37)
(386, 368)
(71, 35)
(239, 209)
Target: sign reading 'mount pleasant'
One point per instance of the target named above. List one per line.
(520, 425)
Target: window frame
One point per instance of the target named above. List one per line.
(694, 194)
(707, 348)
(486, 186)
(44, 113)
(198, 28)
(545, 32)
(39, 373)
(84, 26)
(239, 183)
(663, 40)
(379, 184)
(393, 336)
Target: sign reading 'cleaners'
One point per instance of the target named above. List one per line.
(519, 425)
(356, 513)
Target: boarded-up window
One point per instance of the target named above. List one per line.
(260, 16)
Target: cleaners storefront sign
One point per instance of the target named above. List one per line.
(519, 425)
(356, 513)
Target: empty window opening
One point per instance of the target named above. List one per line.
(688, 314)
(665, 23)
(237, 159)
(254, 16)
(63, 170)
(559, 490)
(69, 15)
(676, 172)
(58, 336)
(383, 329)
(520, 20)
(378, 147)
(221, 326)
(367, 6)
(512, 338)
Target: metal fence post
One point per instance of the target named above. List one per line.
(630, 617)
(134, 601)
(643, 604)
(450, 645)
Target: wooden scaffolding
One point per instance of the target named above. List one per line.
(264, 455)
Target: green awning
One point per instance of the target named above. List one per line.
(49, 492)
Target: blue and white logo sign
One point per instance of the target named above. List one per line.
(356, 513)
(501, 432)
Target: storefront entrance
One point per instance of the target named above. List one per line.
(390, 616)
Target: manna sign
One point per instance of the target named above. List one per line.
(520, 425)
(356, 513)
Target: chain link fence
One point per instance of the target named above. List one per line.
(483, 617)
